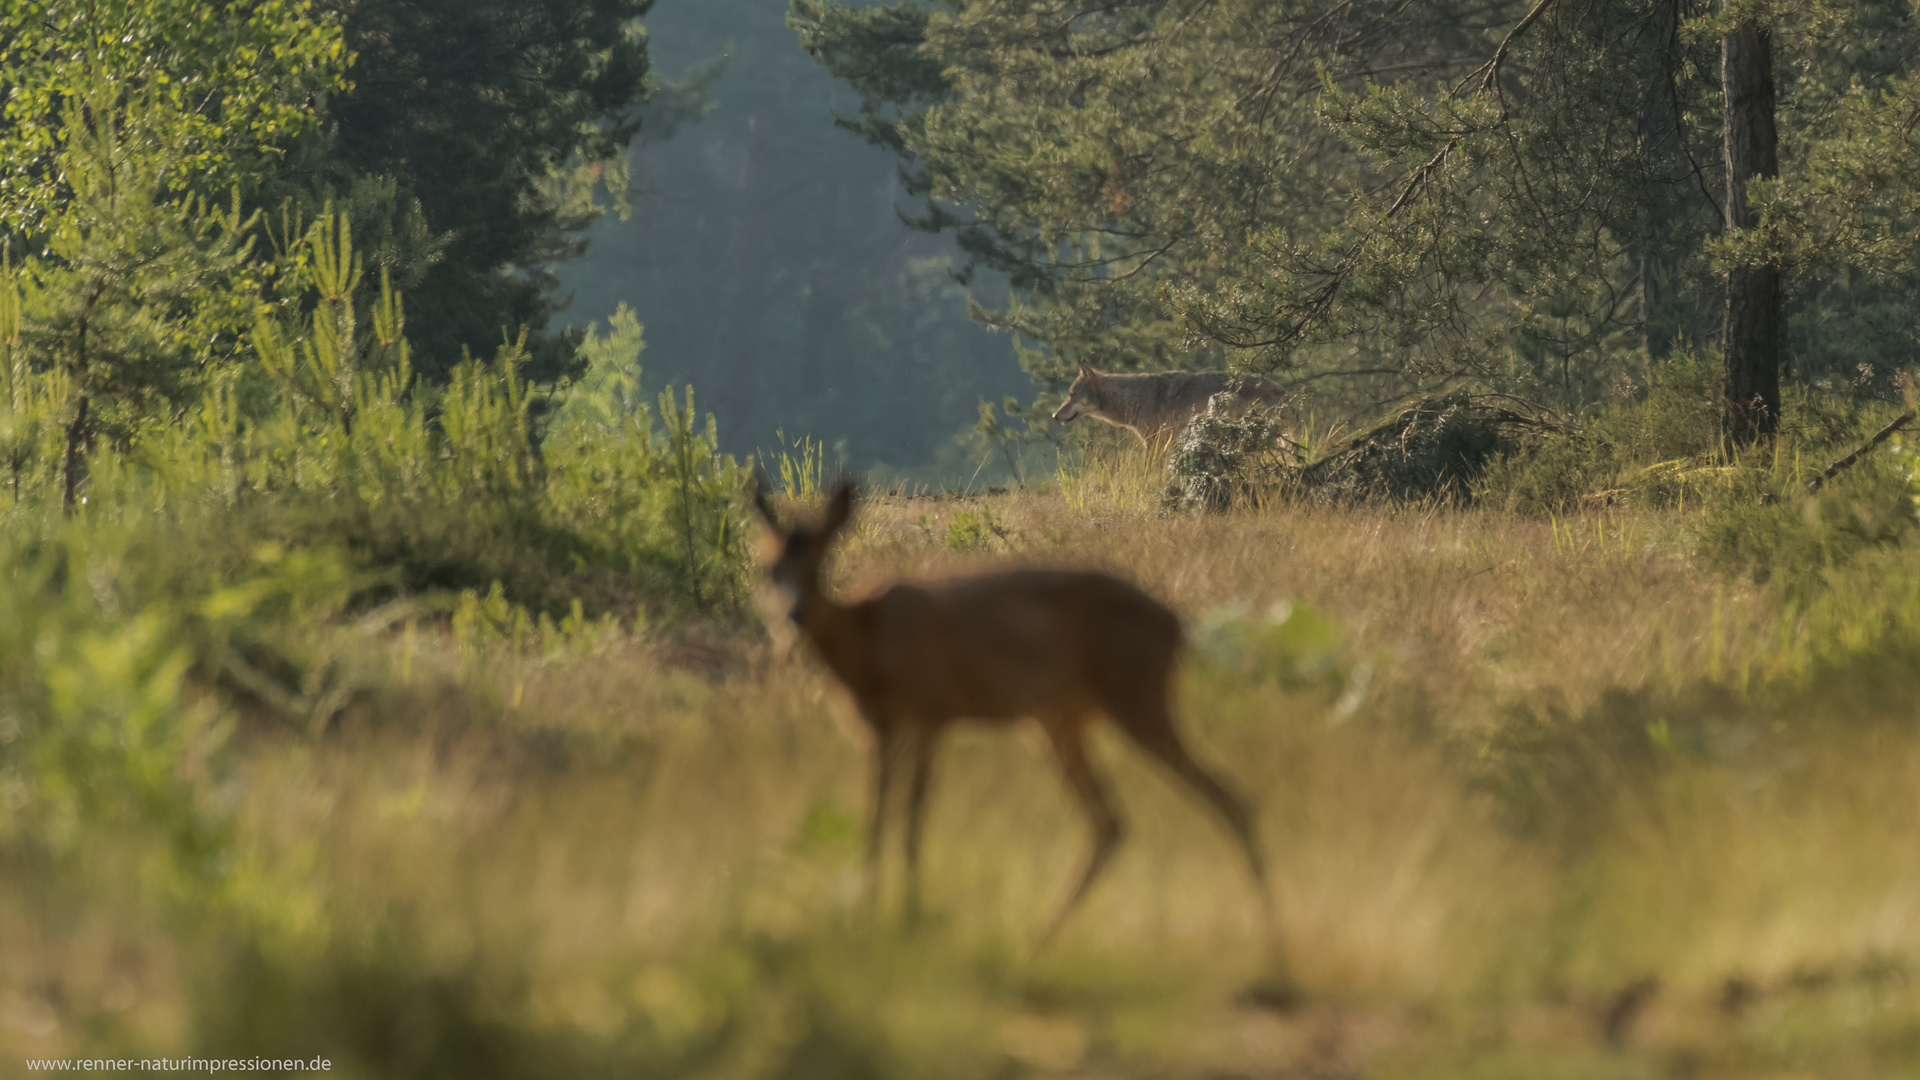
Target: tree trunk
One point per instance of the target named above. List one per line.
(76, 463)
(1756, 326)
(1661, 135)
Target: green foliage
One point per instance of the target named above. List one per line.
(1436, 446)
(1163, 191)
(332, 438)
(990, 433)
(876, 51)
(443, 128)
(1750, 511)
(1512, 219)
(1220, 461)
(471, 111)
(1288, 643)
(600, 493)
(222, 86)
(481, 624)
(701, 511)
(608, 392)
(971, 530)
(118, 631)
(137, 292)
(239, 555)
(1656, 449)
(1906, 459)
(1843, 202)
(803, 467)
(98, 736)
(1759, 522)
(1660, 451)
(1518, 199)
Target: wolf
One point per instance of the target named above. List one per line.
(1153, 406)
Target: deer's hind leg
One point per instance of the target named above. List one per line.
(1067, 730)
(921, 742)
(1149, 723)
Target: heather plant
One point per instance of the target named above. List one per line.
(1430, 447)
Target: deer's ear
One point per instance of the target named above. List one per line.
(839, 507)
(766, 509)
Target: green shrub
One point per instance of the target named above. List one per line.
(968, 530)
(113, 634)
(332, 441)
(1662, 449)
(1655, 450)
(217, 551)
(1430, 446)
(1219, 461)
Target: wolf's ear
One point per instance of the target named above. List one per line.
(1086, 370)
(839, 508)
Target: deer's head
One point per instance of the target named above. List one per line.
(801, 548)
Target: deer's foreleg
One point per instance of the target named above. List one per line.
(886, 748)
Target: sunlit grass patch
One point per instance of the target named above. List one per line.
(1506, 770)
(1108, 472)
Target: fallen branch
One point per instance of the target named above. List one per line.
(1885, 433)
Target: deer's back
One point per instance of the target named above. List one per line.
(1010, 644)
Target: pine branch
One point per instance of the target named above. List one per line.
(1847, 462)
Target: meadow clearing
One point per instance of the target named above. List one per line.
(1541, 798)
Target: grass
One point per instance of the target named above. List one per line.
(1544, 798)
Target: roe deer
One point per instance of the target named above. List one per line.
(1055, 645)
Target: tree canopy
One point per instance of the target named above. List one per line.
(467, 109)
(445, 128)
(225, 87)
(1528, 196)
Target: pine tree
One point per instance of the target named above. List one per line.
(227, 85)
(140, 290)
(1756, 330)
(1374, 194)
(467, 109)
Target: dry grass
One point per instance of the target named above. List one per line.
(646, 862)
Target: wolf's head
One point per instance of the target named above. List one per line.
(1083, 396)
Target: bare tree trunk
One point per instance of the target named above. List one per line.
(1662, 134)
(75, 463)
(1756, 327)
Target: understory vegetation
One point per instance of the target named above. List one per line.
(1621, 788)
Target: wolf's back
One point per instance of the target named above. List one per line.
(1170, 398)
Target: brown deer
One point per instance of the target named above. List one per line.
(1059, 646)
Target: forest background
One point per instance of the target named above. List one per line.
(766, 257)
(1552, 226)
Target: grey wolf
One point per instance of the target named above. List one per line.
(1155, 405)
(1059, 646)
